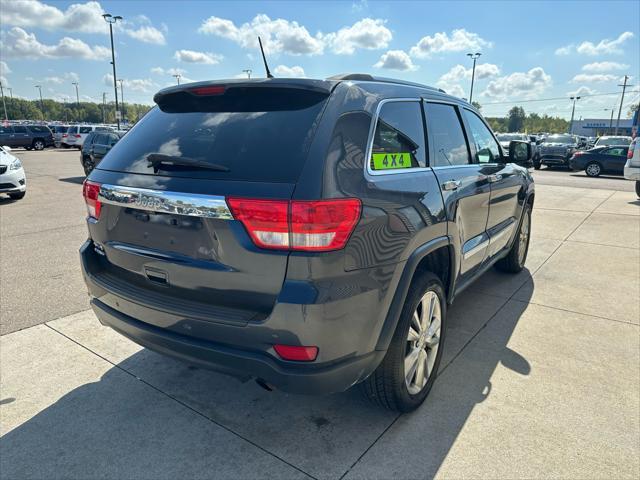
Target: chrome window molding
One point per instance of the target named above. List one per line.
(372, 130)
(189, 204)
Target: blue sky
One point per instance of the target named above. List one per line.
(530, 50)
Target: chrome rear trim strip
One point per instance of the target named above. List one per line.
(189, 204)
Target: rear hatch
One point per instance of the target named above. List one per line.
(165, 236)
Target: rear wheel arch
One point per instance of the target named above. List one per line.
(436, 256)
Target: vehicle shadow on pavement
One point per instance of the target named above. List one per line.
(76, 180)
(153, 417)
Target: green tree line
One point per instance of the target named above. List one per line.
(518, 121)
(51, 110)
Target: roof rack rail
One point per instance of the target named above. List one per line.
(365, 77)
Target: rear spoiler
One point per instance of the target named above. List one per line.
(192, 94)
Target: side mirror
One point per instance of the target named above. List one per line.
(520, 153)
(6, 149)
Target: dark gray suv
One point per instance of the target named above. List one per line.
(305, 233)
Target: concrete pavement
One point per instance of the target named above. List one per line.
(540, 379)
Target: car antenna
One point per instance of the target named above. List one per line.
(264, 59)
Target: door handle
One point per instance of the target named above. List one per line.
(495, 177)
(451, 185)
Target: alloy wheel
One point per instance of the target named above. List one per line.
(422, 343)
(593, 170)
(523, 238)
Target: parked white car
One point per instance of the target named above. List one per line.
(13, 180)
(632, 167)
(76, 134)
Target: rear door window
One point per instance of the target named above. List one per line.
(262, 137)
(39, 129)
(86, 129)
(398, 141)
(19, 129)
(445, 131)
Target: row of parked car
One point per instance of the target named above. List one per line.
(39, 136)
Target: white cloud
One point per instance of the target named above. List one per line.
(4, 71)
(142, 85)
(147, 34)
(67, 77)
(528, 83)
(78, 17)
(290, 37)
(277, 35)
(191, 56)
(396, 60)
(603, 47)
(368, 34)
(17, 43)
(583, 90)
(566, 50)
(460, 40)
(455, 90)
(594, 78)
(459, 72)
(288, 72)
(604, 67)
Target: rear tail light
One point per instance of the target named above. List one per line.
(300, 225)
(77, 135)
(296, 353)
(90, 191)
(577, 154)
(65, 135)
(630, 152)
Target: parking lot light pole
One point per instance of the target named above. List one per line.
(177, 77)
(110, 19)
(77, 94)
(248, 72)
(39, 87)
(624, 87)
(573, 111)
(474, 57)
(4, 105)
(122, 96)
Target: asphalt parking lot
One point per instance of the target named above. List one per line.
(540, 376)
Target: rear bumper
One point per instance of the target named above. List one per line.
(632, 173)
(240, 350)
(287, 376)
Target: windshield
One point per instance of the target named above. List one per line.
(559, 139)
(61, 129)
(613, 141)
(264, 146)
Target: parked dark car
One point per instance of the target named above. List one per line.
(95, 147)
(309, 234)
(36, 137)
(556, 150)
(601, 160)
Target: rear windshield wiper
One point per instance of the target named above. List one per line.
(157, 159)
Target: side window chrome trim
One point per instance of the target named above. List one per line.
(372, 130)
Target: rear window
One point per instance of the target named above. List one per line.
(266, 144)
(86, 129)
(61, 129)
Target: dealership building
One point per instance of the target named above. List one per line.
(592, 127)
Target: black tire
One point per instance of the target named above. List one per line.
(38, 144)
(386, 386)
(88, 165)
(536, 165)
(27, 148)
(593, 169)
(17, 196)
(638, 188)
(517, 256)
